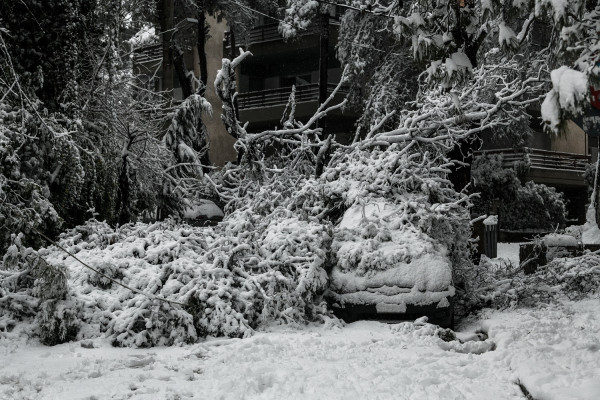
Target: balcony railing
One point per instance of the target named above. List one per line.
(263, 33)
(270, 32)
(147, 54)
(542, 158)
(280, 96)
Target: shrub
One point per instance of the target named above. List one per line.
(528, 206)
(34, 288)
(507, 286)
(534, 206)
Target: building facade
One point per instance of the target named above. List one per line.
(265, 82)
(148, 62)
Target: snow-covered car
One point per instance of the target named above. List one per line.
(387, 269)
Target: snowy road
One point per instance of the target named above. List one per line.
(555, 353)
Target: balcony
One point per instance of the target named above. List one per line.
(280, 96)
(541, 158)
(270, 32)
(548, 167)
(147, 54)
(262, 34)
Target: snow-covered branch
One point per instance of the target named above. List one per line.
(489, 101)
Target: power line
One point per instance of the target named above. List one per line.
(258, 12)
(148, 295)
(361, 10)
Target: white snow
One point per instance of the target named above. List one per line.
(379, 259)
(591, 232)
(506, 36)
(571, 85)
(559, 240)
(414, 20)
(486, 5)
(146, 35)
(507, 253)
(554, 352)
(550, 109)
(519, 3)
(204, 208)
(559, 8)
(429, 272)
(401, 300)
(569, 90)
(461, 60)
(491, 220)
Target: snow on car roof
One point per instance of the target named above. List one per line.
(375, 250)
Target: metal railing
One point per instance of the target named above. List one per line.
(147, 54)
(541, 158)
(280, 96)
(263, 33)
(270, 32)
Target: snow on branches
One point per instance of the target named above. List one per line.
(165, 283)
(494, 100)
(451, 40)
(300, 145)
(270, 258)
(569, 91)
(299, 15)
(225, 86)
(579, 41)
(507, 286)
(187, 137)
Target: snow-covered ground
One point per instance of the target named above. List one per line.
(508, 253)
(590, 230)
(550, 352)
(553, 352)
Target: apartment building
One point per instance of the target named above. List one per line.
(307, 62)
(265, 82)
(148, 63)
(265, 79)
(557, 161)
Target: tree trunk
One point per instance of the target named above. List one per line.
(232, 56)
(124, 194)
(231, 42)
(460, 175)
(463, 150)
(165, 15)
(596, 206)
(596, 192)
(201, 44)
(323, 57)
(322, 156)
(182, 72)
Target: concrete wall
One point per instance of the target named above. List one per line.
(574, 141)
(540, 140)
(272, 82)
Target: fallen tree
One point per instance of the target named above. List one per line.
(268, 260)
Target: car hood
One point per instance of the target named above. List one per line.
(376, 251)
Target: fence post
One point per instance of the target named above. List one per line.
(490, 236)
